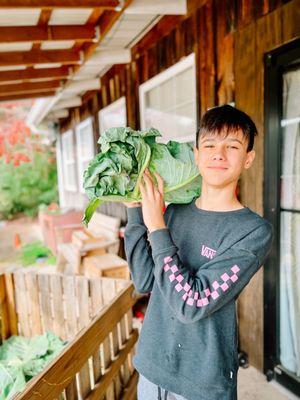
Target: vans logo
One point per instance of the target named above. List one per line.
(208, 252)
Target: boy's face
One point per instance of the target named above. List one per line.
(221, 160)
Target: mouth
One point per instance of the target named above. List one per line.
(222, 168)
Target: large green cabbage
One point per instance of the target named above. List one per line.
(114, 174)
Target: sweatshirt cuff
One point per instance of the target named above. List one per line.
(135, 215)
(160, 240)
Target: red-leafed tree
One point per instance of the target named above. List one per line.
(27, 165)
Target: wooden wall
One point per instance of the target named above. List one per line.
(251, 43)
(229, 38)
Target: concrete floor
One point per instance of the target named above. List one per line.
(252, 385)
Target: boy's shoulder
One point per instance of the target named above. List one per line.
(250, 219)
(260, 221)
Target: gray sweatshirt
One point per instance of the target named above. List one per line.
(195, 269)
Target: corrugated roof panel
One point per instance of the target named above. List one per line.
(13, 68)
(88, 72)
(115, 42)
(50, 65)
(121, 33)
(56, 45)
(128, 29)
(66, 16)
(16, 46)
(130, 23)
(19, 17)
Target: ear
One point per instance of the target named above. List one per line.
(249, 159)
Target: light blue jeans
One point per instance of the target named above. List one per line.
(147, 390)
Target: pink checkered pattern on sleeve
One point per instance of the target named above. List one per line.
(193, 298)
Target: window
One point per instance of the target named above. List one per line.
(85, 148)
(113, 115)
(282, 208)
(68, 156)
(168, 102)
(290, 223)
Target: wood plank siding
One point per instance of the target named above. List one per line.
(229, 39)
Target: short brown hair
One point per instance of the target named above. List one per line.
(227, 118)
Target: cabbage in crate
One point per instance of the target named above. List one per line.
(114, 174)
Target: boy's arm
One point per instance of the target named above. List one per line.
(138, 252)
(193, 297)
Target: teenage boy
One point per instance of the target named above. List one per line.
(196, 261)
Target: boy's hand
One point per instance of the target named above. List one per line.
(152, 201)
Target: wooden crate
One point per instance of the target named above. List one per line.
(106, 265)
(93, 314)
(49, 224)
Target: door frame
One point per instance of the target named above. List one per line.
(275, 63)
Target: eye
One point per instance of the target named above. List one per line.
(233, 147)
(209, 145)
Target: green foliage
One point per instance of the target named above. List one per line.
(32, 251)
(22, 358)
(25, 186)
(115, 173)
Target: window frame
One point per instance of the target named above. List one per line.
(67, 139)
(111, 107)
(171, 72)
(88, 122)
(275, 63)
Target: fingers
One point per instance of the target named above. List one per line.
(149, 185)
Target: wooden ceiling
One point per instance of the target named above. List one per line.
(44, 42)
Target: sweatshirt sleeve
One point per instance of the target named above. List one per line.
(138, 251)
(193, 297)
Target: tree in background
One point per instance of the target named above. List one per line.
(28, 175)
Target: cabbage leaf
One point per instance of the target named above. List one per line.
(22, 358)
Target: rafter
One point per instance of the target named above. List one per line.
(38, 34)
(29, 87)
(31, 75)
(25, 96)
(39, 57)
(105, 4)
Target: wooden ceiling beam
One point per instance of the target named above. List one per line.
(105, 4)
(30, 75)
(38, 34)
(33, 57)
(25, 96)
(29, 87)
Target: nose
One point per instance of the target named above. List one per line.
(219, 154)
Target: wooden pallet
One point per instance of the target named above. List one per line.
(93, 314)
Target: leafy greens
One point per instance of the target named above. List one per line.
(115, 173)
(22, 358)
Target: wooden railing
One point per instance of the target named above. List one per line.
(94, 315)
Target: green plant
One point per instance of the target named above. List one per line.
(22, 358)
(23, 187)
(114, 174)
(34, 250)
